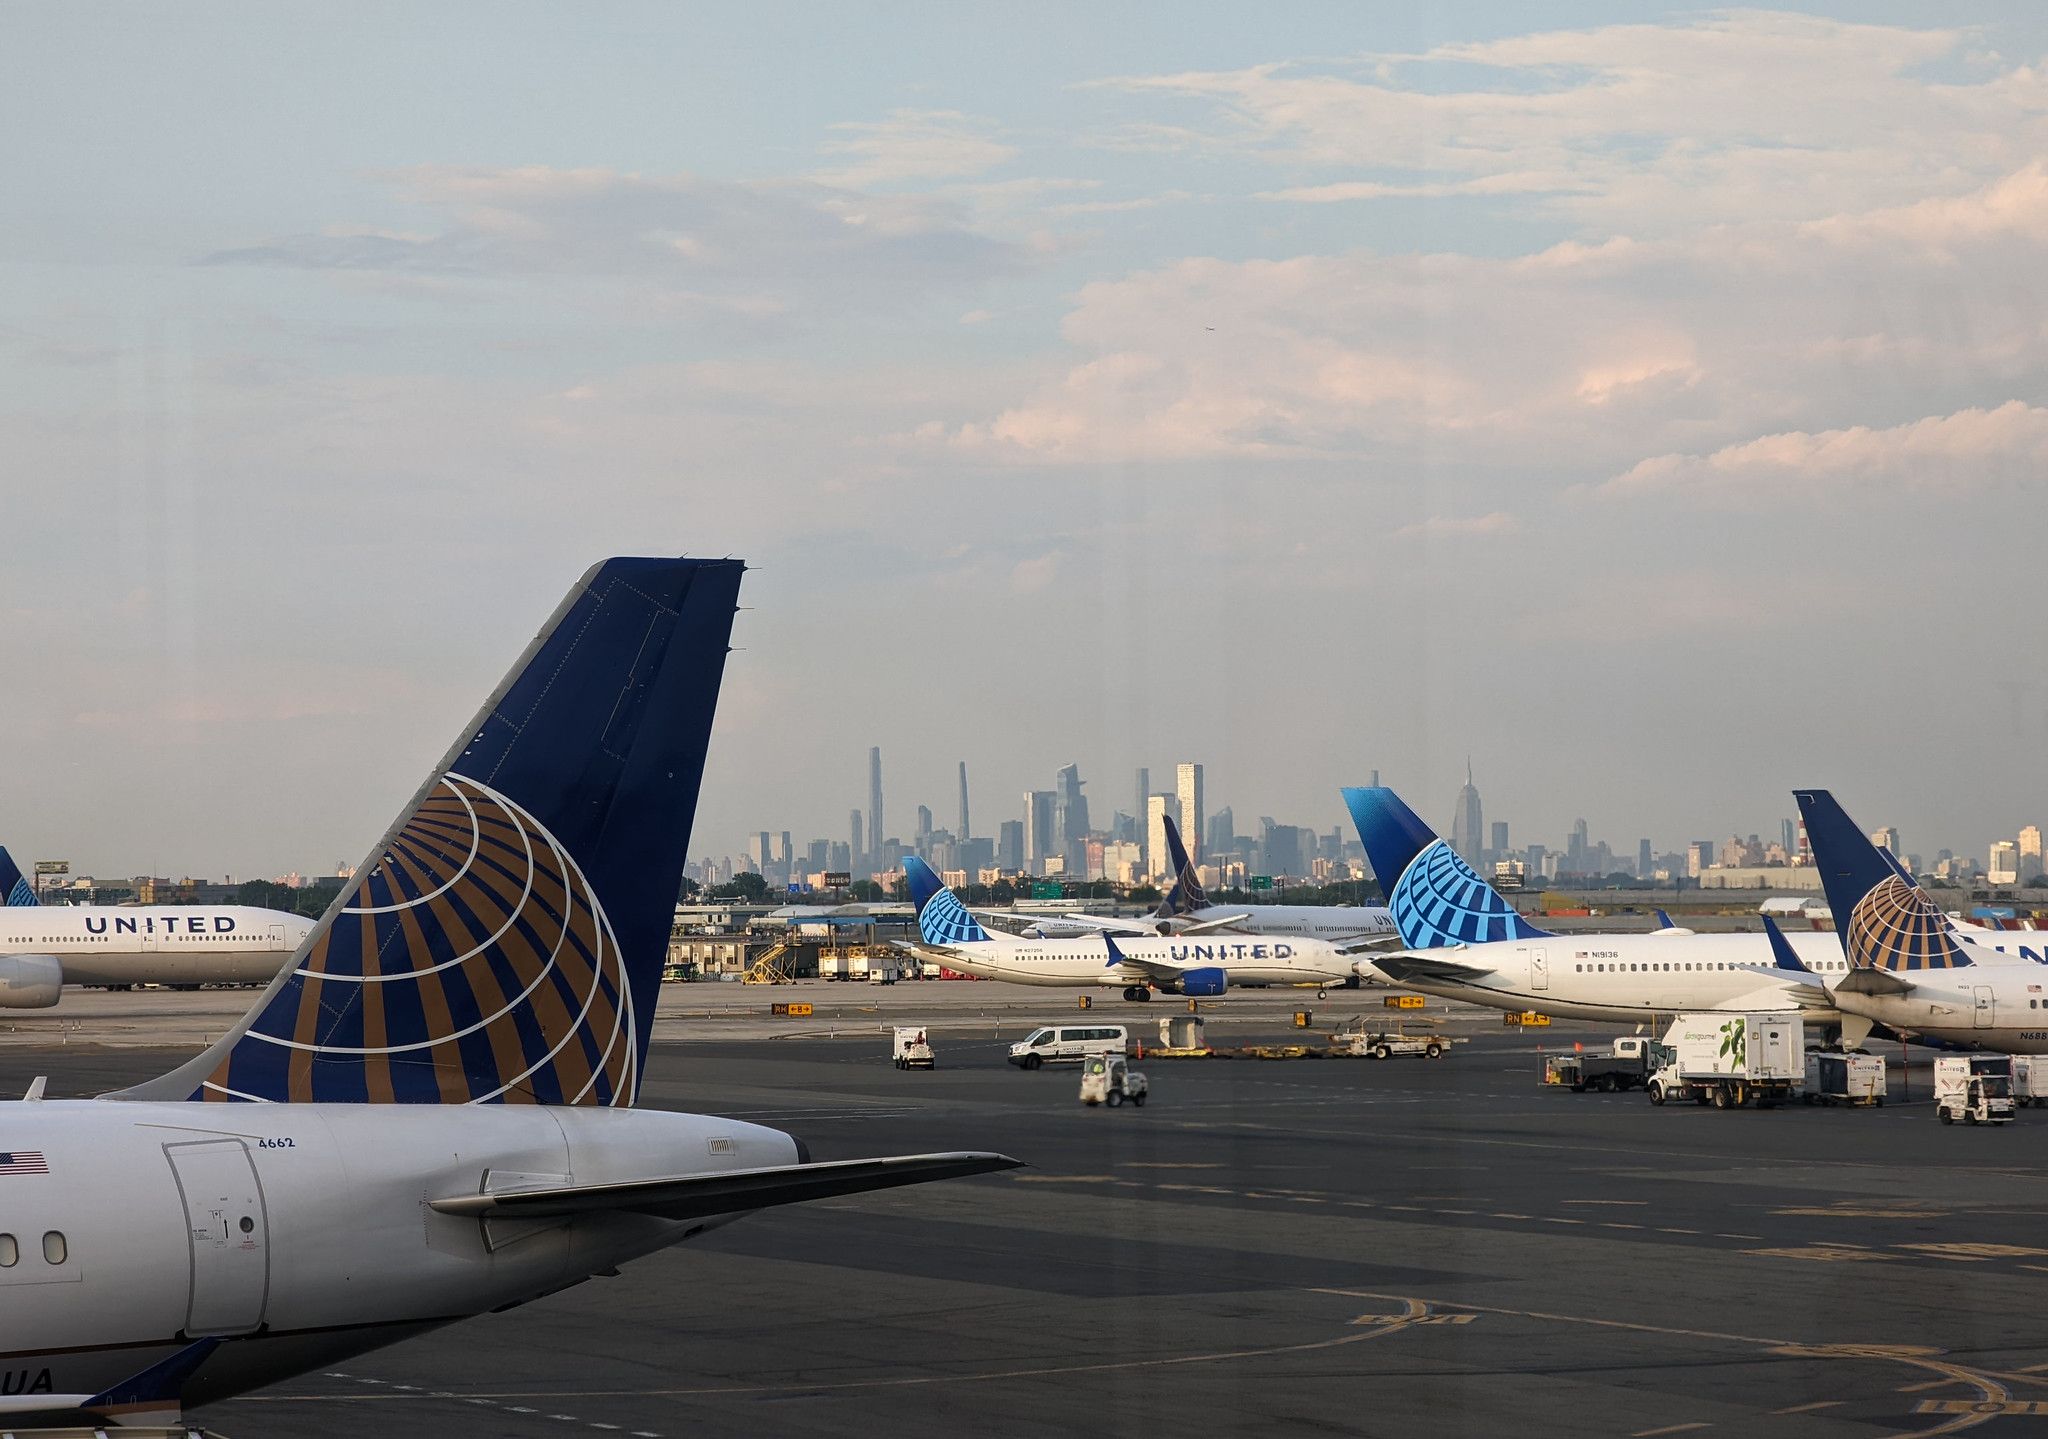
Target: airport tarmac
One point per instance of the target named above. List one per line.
(1307, 1247)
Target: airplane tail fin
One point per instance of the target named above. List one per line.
(941, 918)
(1435, 897)
(504, 940)
(1186, 896)
(14, 890)
(1884, 920)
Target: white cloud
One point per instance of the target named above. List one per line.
(1959, 453)
(915, 145)
(1740, 112)
(1582, 356)
(683, 241)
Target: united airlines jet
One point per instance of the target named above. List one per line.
(44, 947)
(1464, 941)
(430, 1112)
(1908, 968)
(1194, 965)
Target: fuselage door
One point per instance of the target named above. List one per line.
(1987, 1006)
(1539, 969)
(277, 939)
(229, 1233)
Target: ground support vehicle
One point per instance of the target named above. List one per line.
(1358, 1042)
(1729, 1060)
(912, 1048)
(1623, 1065)
(2029, 1081)
(1975, 1088)
(1109, 1079)
(1068, 1043)
(1837, 1077)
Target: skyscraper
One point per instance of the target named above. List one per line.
(1143, 815)
(1070, 807)
(875, 830)
(1157, 807)
(855, 851)
(1886, 838)
(965, 832)
(1010, 845)
(2030, 852)
(1644, 862)
(1500, 839)
(1222, 833)
(1041, 837)
(1467, 823)
(1189, 787)
(924, 821)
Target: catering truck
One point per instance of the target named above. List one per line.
(1729, 1060)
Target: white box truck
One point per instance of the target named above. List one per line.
(1975, 1088)
(1838, 1077)
(1729, 1060)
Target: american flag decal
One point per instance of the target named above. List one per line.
(24, 1161)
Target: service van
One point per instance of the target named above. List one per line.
(1068, 1044)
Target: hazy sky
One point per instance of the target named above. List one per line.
(1653, 410)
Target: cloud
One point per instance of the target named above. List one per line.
(915, 145)
(682, 240)
(1583, 355)
(1450, 527)
(1652, 125)
(1970, 450)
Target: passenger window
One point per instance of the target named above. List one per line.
(54, 1249)
(10, 1252)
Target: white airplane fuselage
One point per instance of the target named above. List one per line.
(140, 944)
(1331, 922)
(1994, 1004)
(300, 1233)
(1628, 977)
(1085, 963)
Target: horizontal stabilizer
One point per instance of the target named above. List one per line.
(1874, 981)
(1415, 966)
(698, 1196)
(1211, 926)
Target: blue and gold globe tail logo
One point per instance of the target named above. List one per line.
(1896, 926)
(1439, 901)
(472, 964)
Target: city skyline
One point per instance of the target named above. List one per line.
(1044, 828)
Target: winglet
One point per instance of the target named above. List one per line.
(1116, 956)
(1782, 954)
(156, 1389)
(1663, 920)
(15, 892)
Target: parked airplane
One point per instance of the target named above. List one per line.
(1910, 969)
(429, 1113)
(1337, 923)
(1467, 942)
(44, 947)
(15, 891)
(1194, 965)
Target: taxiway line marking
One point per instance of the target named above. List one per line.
(1670, 1429)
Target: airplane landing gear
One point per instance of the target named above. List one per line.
(1137, 993)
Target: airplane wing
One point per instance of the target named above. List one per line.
(1874, 981)
(696, 1196)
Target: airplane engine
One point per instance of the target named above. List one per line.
(1202, 983)
(30, 981)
